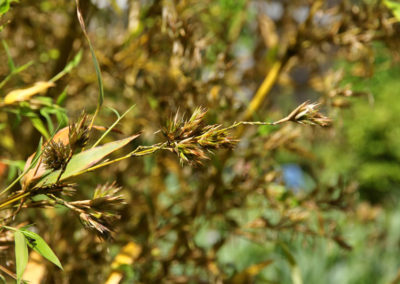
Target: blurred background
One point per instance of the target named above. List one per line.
(290, 204)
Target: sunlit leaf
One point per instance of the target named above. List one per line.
(71, 65)
(38, 244)
(395, 7)
(86, 159)
(61, 98)
(21, 254)
(38, 124)
(128, 254)
(20, 95)
(4, 6)
(247, 275)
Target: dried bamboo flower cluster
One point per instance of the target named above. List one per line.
(307, 113)
(55, 155)
(192, 139)
(106, 198)
(179, 129)
(79, 132)
(99, 213)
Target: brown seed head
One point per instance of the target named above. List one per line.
(55, 155)
(79, 132)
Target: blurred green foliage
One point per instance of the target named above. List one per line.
(368, 150)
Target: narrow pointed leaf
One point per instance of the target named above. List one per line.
(20, 95)
(21, 254)
(38, 124)
(71, 65)
(11, 64)
(94, 58)
(85, 160)
(40, 246)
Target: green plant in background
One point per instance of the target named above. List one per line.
(370, 139)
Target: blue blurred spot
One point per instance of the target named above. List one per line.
(293, 176)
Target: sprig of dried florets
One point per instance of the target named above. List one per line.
(78, 133)
(192, 139)
(99, 213)
(106, 198)
(179, 129)
(307, 113)
(57, 154)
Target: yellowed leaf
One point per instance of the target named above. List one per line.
(21, 95)
(247, 275)
(129, 253)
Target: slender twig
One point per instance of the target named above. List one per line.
(138, 152)
(14, 198)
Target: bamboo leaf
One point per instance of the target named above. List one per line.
(5, 6)
(94, 59)
(39, 245)
(61, 98)
(395, 7)
(11, 64)
(248, 274)
(21, 254)
(21, 95)
(38, 124)
(16, 71)
(85, 160)
(71, 65)
(31, 162)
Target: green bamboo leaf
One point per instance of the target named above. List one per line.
(98, 74)
(71, 65)
(85, 160)
(395, 7)
(11, 64)
(16, 71)
(61, 98)
(40, 246)
(21, 254)
(74, 62)
(38, 124)
(4, 7)
(95, 62)
(45, 113)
